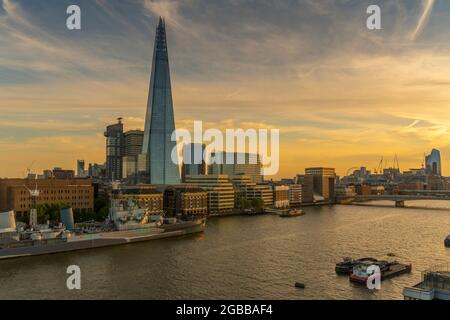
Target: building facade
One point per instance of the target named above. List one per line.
(144, 197)
(220, 191)
(160, 119)
(77, 193)
(193, 160)
(81, 171)
(307, 183)
(114, 150)
(295, 195)
(246, 189)
(236, 163)
(433, 163)
(280, 196)
(133, 140)
(59, 173)
(324, 180)
(186, 200)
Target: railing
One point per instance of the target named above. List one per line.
(437, 277)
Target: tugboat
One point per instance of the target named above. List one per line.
(447, 241)
(345, 267)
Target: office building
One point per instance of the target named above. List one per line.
(220, 191)
(433, 163)
(307, 183)
(160, 120)
(59, 173)
(193, 160)
(96, 171)
(77, 193)
(143, 196)
(114, 150)
(81, 172)
(280, 196)
(186, 200)
(236, 163)
(247, 190)
(324, 180)
(133, 140)
(295, 195)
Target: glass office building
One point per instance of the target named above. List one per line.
(159, 121)
(433, 163)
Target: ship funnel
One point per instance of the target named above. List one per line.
(7, 221)
(67, 218)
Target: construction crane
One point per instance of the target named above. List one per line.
(379, 169)
(28, 172)
(396, 163)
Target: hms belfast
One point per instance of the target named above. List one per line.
(130, 219)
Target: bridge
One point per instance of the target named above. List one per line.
(400, 198)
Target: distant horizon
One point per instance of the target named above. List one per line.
(342, 96)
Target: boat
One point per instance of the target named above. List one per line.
(345, 267)
(388, 270)
(447, 241)
(292, 213)
(299, 285)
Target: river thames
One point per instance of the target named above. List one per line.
(245, 257)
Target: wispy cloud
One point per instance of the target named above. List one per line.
(423, 20)
(309, 68)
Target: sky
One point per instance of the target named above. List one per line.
(342, 95)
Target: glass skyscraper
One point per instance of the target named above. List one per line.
(433, 163)
(160, 121)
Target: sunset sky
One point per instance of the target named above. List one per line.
(341, 95)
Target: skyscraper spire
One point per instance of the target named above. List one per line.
(160, 120)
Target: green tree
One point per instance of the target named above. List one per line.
(245, 204)
(258, 204)
(49, 212)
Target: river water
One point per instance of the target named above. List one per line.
(244, 257)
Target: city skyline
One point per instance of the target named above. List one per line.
(343, 99)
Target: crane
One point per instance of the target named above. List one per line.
(396, 163)
(379, 169)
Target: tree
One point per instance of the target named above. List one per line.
(245, 204)
(49, 212)
(257, 204)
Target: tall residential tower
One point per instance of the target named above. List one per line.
(160, 120)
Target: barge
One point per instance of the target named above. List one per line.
(292, 213)
(388, 270)
(345, 267)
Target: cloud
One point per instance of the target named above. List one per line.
(423, 20)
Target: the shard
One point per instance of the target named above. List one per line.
(160, 121)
